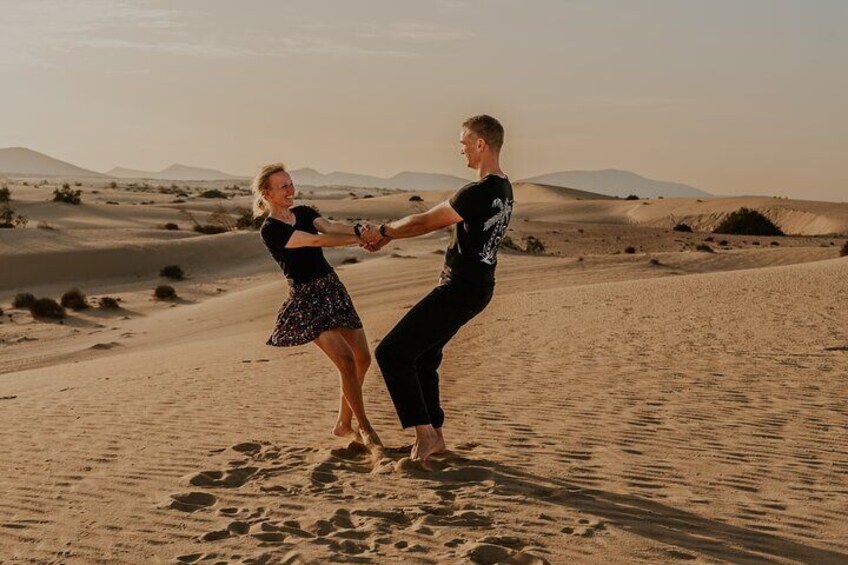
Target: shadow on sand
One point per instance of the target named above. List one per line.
(640, 516)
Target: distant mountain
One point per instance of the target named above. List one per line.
(619, 183)
(26, 162)
(403, 181)
(174, 172)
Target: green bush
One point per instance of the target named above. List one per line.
(745, 221)
(67, 195)
(46, 308)
(23, 300)
(108, 303)
(74, 299)
(164, 292)
(172, 272)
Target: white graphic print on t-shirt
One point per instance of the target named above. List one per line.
(498, 224)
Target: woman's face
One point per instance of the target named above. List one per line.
(280, 190)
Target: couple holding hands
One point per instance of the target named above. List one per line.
(320, 310)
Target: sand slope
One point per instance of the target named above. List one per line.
(636, 421)
(659, 407)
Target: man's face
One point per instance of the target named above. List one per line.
(281, 189)
(472, 146)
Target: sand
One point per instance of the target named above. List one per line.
(605, 408)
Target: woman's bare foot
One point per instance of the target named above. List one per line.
(343, 429)
(370, 438)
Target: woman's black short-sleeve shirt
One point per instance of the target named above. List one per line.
(301, 264)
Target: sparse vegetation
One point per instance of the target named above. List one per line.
(246, 221)
(172, 272)
(534, 245)
(209, 229)
(630, 250)
(212, 193)
(745, 221)
(108, 303)
(655, 262)
(632, 197)
(681, 227)
(723, 243)
(508, 243)
(113, 184)
(5, 194)
(171, 226)
(74, 299)
(415, 198)
(704, 247)
(46, 308)
(23, 300)
(67, 195)
(164, 292)
(8, 218)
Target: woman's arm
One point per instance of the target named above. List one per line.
(324, 225)
(306, 239)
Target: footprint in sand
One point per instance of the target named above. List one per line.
(192, 501)
(490, 554)
(231, 478)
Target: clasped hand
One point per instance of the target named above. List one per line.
(371, 239)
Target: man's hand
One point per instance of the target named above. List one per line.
(370, 234)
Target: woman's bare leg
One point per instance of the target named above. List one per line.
(340, 353)
(358, 343)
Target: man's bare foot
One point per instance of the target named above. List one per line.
(342, 429)
(427, 443)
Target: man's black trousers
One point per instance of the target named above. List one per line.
(410, 355)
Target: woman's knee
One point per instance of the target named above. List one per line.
(363, 359)
(346, 362)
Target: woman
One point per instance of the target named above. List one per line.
(318, 309)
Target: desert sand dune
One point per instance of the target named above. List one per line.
(635, 421)
(796, 217)
(657, 407)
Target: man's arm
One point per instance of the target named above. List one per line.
(438, 217)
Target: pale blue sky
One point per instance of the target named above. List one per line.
(741, 96)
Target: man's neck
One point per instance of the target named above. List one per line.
(489, 168)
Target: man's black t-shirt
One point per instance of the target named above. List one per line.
(301, 264)
(485, 207)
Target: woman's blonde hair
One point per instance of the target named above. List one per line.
(260, 187)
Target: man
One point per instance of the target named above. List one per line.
(410, 355)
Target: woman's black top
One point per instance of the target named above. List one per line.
(301, 264)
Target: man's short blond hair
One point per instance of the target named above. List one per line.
(488, 129)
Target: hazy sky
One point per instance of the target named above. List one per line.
(732, 96)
